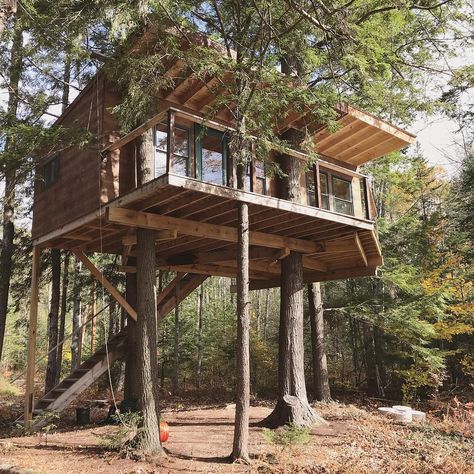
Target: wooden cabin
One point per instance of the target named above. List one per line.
(93, 199)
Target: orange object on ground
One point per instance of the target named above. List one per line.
(164, 431)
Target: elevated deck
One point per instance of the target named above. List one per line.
(197, 232)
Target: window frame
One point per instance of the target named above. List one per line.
(334, 198)
(318, 196)
(52, 162)
(199, 132)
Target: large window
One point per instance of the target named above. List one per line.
(335, 192)
(342, 193)
(211, 155)
(180, 159)
(49, 173)
(324, 184)
(312, 191)
(260, 178)
(161, 148)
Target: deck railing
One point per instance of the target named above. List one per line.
(179, 148)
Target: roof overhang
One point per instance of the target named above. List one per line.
(361, 137)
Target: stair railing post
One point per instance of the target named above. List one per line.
(30, 374)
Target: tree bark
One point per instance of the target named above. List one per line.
(7, 9)
(321, 390)
(62, 315)
(130, 391)
(8, 227)
(147, 363)
(53, 321)
(112, 316)
(199, 335)
(241, 427)
(292, 404)
(76, 341)
(175, 377)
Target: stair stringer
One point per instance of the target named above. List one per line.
(84, 381)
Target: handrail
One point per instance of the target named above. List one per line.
(60, 343)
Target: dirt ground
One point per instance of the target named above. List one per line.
(355, 441)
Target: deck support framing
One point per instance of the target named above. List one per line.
(32, 337)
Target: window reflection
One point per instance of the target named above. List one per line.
(161, 148)
(180, 159)
(212, 157)
(342, 195)
(323, 183)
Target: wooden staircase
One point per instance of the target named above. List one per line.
(84, 376)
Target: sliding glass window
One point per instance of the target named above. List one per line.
(161, 148)
(342, 192)
(211, 155)
(180, 160)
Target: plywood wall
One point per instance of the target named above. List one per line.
(78, 188)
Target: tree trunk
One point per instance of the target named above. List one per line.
(92, 317)
(130, 391)
(112, 316)
(76, 341)
(292, 404)
(147, 363)
(7, 9)
(62, 315)
(175, 377)
(321, 391)
(199, 335)
(241, 427)
(8, 227)
(373, 387)
(53, 320)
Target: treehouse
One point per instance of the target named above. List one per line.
(93, 199)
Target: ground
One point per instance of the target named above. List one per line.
(356, 440)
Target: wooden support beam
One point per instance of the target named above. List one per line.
(160, 235)
(30, 372)
(169, 288)
(360, 249)
(215, 270)
(314, 264)
(353, 272)
(127, 269)
(280, 255)
(201, 229)
(135, 133)
(99, 276)
(84, 238)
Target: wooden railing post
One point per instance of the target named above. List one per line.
(317, 185)
(30, 373)
(170, 141)
(366, 196)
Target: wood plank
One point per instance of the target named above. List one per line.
(32, 328)
(99, 276)
(360, 249)
(201, 229)
(135, 133)
(343, 274)
(160, 235)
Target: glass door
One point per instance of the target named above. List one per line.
(211, 155)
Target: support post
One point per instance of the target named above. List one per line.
(30, 374)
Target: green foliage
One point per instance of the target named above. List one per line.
(287, 436)
(127, 429)
(7, 389)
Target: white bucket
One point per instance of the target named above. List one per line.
(418, 415)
